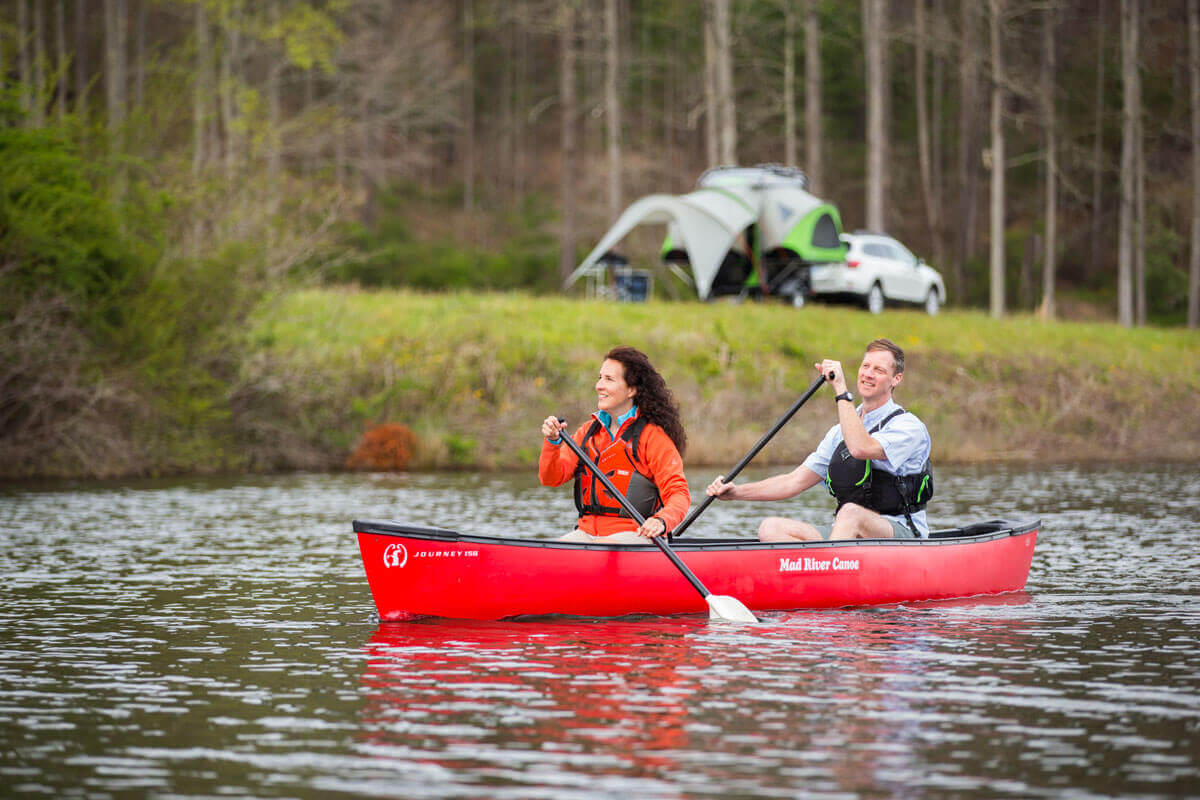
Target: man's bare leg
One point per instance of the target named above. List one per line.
(782, 529)
(855, 522)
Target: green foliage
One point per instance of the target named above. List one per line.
(1166, 280)
(59, 234)
(461, 448)
(390, 255)
(310, 35)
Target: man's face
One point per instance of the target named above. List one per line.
(877, 375)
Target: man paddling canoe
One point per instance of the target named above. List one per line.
(875, 461)
(636, 437)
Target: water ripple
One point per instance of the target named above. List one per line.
(206, 637)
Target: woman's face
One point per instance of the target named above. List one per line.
(612, 393)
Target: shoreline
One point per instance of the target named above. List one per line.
(473, 374)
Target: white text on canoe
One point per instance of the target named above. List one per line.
(807, 564)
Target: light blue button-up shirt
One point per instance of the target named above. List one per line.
(905, 442)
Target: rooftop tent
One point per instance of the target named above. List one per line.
(753, 214)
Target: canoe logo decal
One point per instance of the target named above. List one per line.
(396, 555)
(818, 565)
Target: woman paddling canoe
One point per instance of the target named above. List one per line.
(636, 437)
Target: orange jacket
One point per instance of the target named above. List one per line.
(658, 457)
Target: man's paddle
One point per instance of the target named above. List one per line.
(681, 527)
(719, 606)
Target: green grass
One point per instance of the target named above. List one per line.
(487, 368)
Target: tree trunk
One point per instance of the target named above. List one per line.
(727, 125)
(1139, 222)
(814, 129)
(230, 55)
(1131, 107)
(566, 93)
(468, 156)
(712, 147)
(789, 84)
(967, 143)
(873, 39)
(996, 260)
(924, 160)
(81, 59)
(612, 107)
(1028, 256)
(1098, 146)
(521, 87)
(342, 110)
(61, 59)
(274, 118)
(39, 65)
(200, 98)
(1193, 312)
(115, 71)
(937, 149)
(139, 74)
(24, 69)
(1049, 115)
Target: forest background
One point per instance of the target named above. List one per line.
(172, 172)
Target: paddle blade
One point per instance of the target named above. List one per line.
(728, 608)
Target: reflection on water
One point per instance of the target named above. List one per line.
(205, 638)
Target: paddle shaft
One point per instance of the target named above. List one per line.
(633, 512)
(746, 459)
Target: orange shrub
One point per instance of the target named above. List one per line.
(383, 447)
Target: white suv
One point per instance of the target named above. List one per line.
(879, 270)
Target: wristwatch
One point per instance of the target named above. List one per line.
(844, 396)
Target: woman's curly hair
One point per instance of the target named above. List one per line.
(654, 400)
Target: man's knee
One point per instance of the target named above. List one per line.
(769, 529)
(782, 529)
(858, 522)
(852, 513)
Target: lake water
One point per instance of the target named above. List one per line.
(216, 638)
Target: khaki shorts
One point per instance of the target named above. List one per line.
(899, 530)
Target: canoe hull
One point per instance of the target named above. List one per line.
(431, 572)
(415, 572)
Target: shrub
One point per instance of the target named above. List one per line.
(386, 447)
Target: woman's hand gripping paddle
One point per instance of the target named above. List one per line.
(681, 527)
(719, 606)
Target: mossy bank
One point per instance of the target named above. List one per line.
(474, 374)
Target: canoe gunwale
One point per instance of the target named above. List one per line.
(969, 534)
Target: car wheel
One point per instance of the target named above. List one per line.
(933, 303)
(875, 299)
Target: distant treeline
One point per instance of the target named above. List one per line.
(167, 166)
(1019, 145)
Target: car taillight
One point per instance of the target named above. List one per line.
(851, 263)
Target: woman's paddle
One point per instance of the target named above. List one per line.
(719, 606)
(681, 527)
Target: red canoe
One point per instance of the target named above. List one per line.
(415, 572)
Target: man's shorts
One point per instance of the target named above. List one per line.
(899, 530)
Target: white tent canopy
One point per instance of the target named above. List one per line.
(708, 219)
(707, 222)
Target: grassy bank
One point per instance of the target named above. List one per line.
(474, 374)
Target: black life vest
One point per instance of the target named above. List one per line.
(853, 480)
(619, 461)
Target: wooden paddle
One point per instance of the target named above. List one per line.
(681, 527)
(719, 606)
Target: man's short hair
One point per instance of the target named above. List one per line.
(891, 347)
